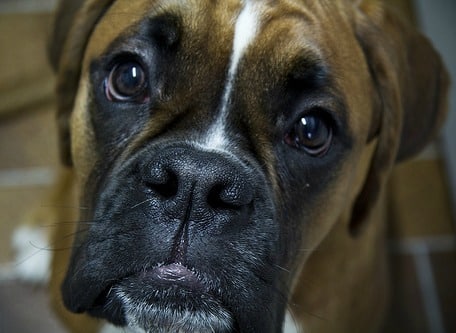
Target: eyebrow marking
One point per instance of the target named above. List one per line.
(245, 31)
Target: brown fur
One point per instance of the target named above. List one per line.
(380, 54)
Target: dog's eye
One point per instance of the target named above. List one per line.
(311, 133)
(127, 82)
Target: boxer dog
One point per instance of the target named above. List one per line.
(229, 159)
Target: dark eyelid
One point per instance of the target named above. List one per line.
(151, 35)
(320, 102)
(123, 57)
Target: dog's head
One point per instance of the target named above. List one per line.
(214, 140)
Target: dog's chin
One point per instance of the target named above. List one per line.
(203, 316)
(169, 299)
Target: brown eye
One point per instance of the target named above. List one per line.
(311, 133)
(127, 82)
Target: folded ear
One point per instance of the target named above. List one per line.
(411, 83)
(74, 22)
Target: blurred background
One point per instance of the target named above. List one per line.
(422, 192)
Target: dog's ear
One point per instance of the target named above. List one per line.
(411, 83)
(74, 22)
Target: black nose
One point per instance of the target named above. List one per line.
(201, 184)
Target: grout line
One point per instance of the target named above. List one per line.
(426, 281)
(35, 176)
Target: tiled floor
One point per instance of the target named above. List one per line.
(423, 250)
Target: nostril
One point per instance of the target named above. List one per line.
(203, 180)
(167, 190)
(216, 200)
(229, 197)
(163, 183)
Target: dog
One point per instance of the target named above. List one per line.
(229, 159)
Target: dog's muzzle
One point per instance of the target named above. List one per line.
(173, 232)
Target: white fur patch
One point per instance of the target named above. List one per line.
(290, 325)
(139, 317)
(108, 328)
(32, 256)
(245, 31)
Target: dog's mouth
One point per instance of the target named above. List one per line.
(166, 298)
(207, 217)
(175, 273)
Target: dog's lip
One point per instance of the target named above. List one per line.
(174, 273)
(173, 276)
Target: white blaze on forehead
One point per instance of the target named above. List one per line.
(245, 31)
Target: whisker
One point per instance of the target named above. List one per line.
(65, 207)
(141, 203)
(30, 256)
(282, 268)
(75, 222)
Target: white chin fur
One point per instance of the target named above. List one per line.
(108, 328)
(290, 325)
(143, 318)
